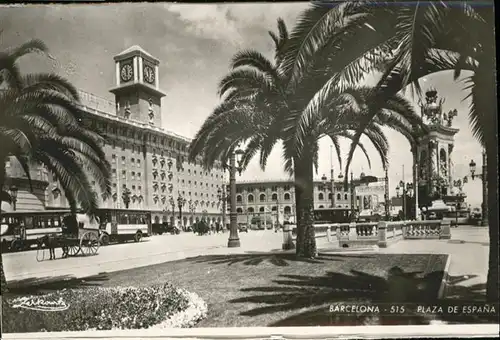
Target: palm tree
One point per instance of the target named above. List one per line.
(408, 42)
(261, 106)
(40, 124)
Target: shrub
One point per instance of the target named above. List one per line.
(98, 309)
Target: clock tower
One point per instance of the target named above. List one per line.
(137, 92)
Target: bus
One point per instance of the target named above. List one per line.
(332, 215)
(118, 225)
(21, 229)
(328, 216)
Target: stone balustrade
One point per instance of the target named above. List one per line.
(383, 233)
(427, 229)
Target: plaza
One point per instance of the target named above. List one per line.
(246, 166)
(166, 248)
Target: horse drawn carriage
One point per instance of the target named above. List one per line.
(75, 238)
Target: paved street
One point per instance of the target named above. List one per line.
(468, 249)
(156, 249)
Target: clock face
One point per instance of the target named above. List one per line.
(149, 74)
(127, 72)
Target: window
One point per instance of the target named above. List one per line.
(330, 196)
(262, 197)
(261, 209)
(339, 196)
(286, 188)
(138, 163)
(238, 198)
(320, 196)
(287, 196)
(133, 175)
(132, 161)
(250, 198)
(113, 159)
(138, 176)
(250, 210)
(275, 197)
(124, 174)
(113, 172)
(274, 188)
(345, 196)
(123, 160)
(239, 210)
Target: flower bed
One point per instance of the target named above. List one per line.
(162, 306)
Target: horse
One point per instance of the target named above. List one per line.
(51, 242)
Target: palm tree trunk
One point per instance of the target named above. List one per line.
(304, 188)
(299, 188)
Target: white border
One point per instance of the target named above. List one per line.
(468, 331)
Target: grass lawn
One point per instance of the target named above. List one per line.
(280, 290)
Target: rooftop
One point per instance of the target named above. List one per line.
(102, 107)
(136, 49)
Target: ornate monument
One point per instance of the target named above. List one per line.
(435, 149)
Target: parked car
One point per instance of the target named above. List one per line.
(243, 228)
(173, 230)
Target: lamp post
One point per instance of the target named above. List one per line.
(192, 209)
(406, 189)
(459, 185)
(483, 177)
(352, 194)
(386, 196)
(221, 195)
(234, 165)
(172, 204)
(13, 196)
(180, 203)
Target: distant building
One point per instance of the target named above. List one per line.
(146, 160)
(274, 200)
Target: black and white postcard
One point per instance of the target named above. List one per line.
(248, 170)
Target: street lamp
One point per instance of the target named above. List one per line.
(483, 177)
(13, 196)
(181, 201)
(192, 209)
(172, 204)
(221, 195)
(234, 165)
(352, 194)
(406, 189)
(386, 196)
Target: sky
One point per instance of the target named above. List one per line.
(195, 43)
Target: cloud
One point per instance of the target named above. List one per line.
(207, 21)
(230, 21)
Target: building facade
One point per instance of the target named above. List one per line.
(274, 201)
(149, 164)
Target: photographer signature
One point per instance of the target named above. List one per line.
(40, 304)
